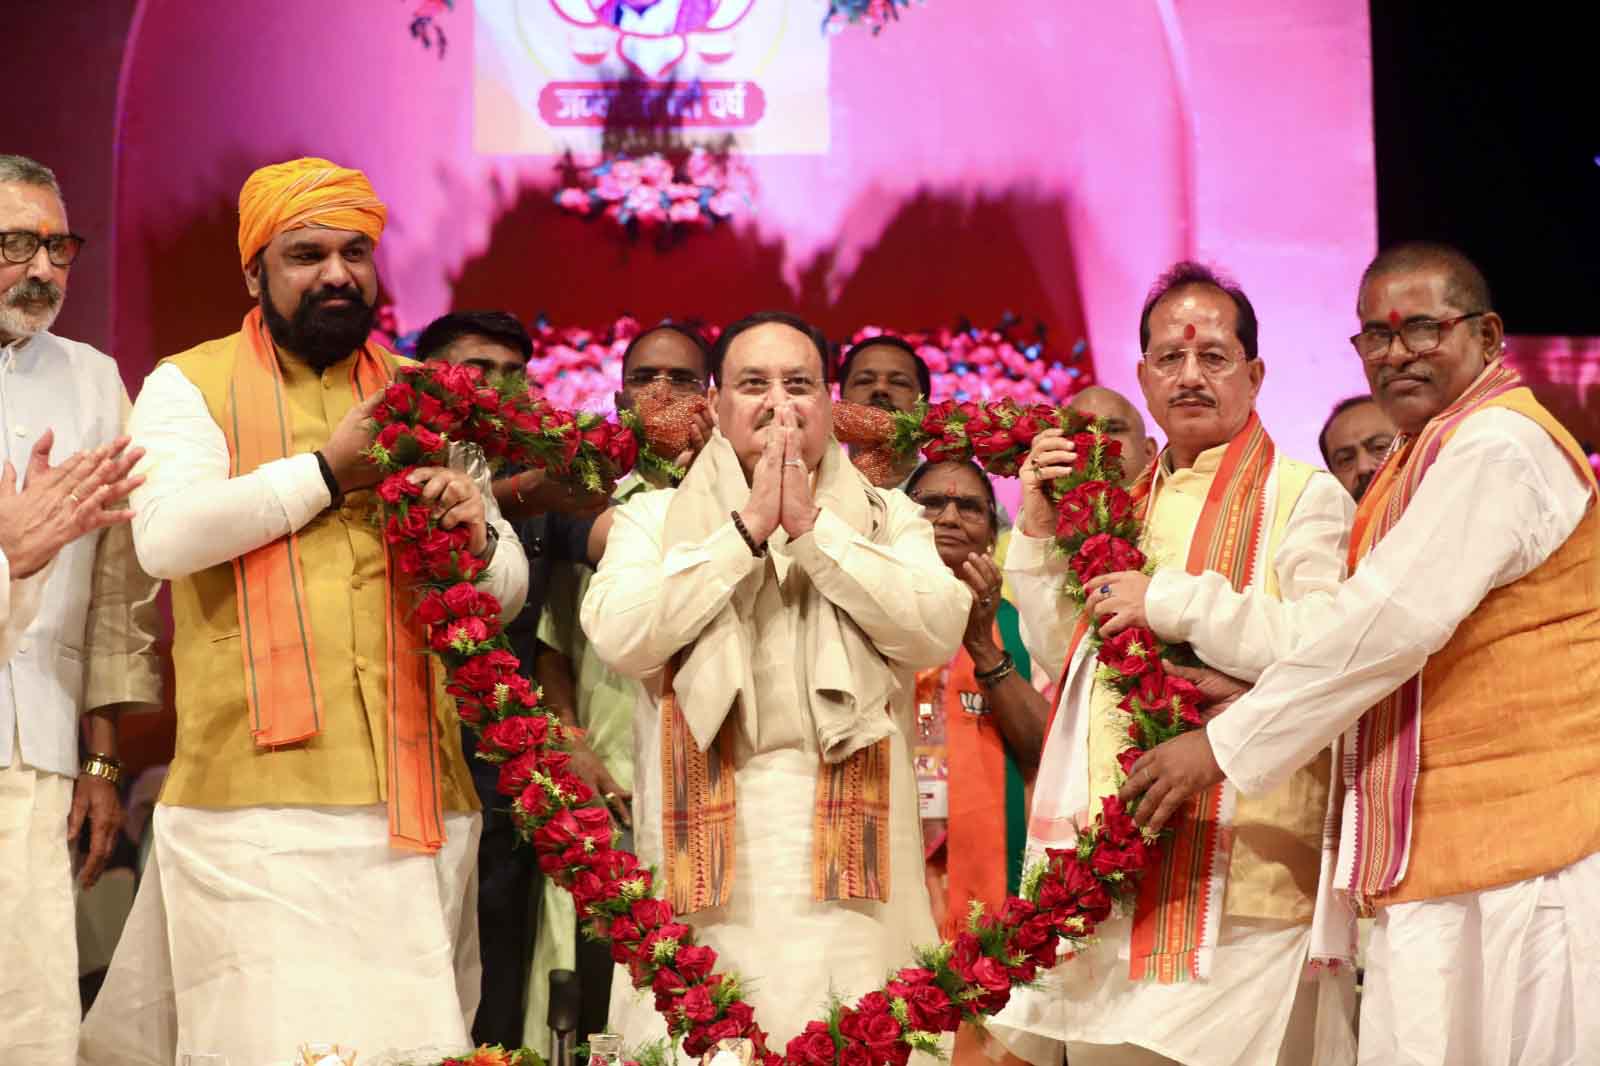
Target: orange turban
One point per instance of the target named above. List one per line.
(305, 192)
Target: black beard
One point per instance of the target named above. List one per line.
(320, 335)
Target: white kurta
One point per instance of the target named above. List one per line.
(76, 636)
(643, 605)
(259, 929)
(1498, 977)
(1255, 1006)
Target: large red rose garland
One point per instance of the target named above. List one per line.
(1063, 898)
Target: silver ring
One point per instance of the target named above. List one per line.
(793, 462)
(73, 496)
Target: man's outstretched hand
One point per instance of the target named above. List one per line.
(1165, 777)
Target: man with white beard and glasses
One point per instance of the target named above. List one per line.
(79, 618)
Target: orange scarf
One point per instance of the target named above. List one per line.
(1177, 918)
(850, 820)
(284, 697)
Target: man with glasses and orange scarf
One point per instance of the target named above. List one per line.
(1210, 969)
(1459, 671)
(316, 836)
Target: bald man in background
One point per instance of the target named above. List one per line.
(1122, 423)
(316, 836)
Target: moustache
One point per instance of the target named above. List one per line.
(881, 401)
(324, 296)
(33, 292)
(1405, 373)
(1362, 484)
(1191, 396)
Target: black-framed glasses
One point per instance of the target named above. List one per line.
(1419, 336)
(21, 245)
(933, 505)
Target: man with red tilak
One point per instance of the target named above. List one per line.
(1210, 969)
(1459, 671)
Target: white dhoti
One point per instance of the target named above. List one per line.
(1261, 1007)
(262, 928)
(792, 951)
(1505, 977)
(38, 932)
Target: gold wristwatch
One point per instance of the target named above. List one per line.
(103, 766)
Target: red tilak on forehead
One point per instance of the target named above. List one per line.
(1394, 319)
(1188, 332)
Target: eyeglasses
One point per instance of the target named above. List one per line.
(1418, 336)
(793, 384)
(1213, 363)
(677, 378)
(20, 245)
(969, 507)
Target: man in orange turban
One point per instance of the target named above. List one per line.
(316, 837)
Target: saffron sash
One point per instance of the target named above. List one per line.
(281, 688)
(1380, 756)
(849, 829)
(983, 835)
(1178, 914)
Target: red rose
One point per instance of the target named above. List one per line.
(1071, 890)
(1131, 653)
(430, 610)
(461, 599)
(695, 961)
(651, 913)
(515, 735)
(414, 525)
(1105, 554)
(1116, 823)
(723, 1029)
(594, 823)
(1028, 423)
(697, 1006)
(880, 1032)
(622, 450)
(740, 1014)
(1126, 759)
(947, 449)
(666, 982)
(556, 834)
(965, 955)
(473, 678)
(390, 435)
(931, 1009)
(397, 487)
(486, 400)
(1165, 698)
(517, 773)
(534, 802)
(399, 397)
(814, 1047)
(938, 414)
(1016, 910)
(991, 975)
(854, 1053)
(1109, 860)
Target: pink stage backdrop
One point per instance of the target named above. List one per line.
(1044, 156)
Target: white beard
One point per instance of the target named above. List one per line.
(22, 323)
